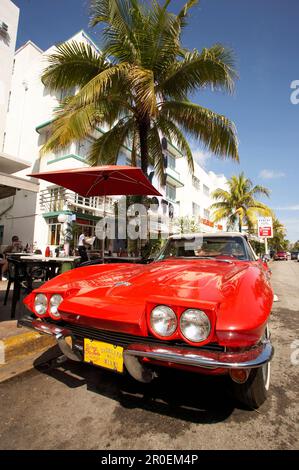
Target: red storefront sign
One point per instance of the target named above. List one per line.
(265, 231)
(210, 224)
(207, 222)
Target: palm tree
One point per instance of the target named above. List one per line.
(238, 204)
(139, 86)
(278, 242)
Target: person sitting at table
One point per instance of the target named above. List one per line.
(15, 247)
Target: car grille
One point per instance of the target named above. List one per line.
(124, 339)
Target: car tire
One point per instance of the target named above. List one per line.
(254, 391)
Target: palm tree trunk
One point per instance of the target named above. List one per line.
(144, 126)
(240, 223)
(143, 129)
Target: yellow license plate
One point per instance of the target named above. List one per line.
(104, 354)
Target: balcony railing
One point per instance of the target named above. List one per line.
(59, 199)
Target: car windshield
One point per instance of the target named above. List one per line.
(221, 248)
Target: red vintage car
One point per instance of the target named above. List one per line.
(203, 306)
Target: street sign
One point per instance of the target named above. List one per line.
(265, 227)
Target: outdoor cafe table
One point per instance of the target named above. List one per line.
(66, 263)
(23, 264)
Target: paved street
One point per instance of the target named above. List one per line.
(76, 406)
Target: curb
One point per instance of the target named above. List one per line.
(19, 345)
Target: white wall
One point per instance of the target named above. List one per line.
(21, 138)
(19, 220)
(9, 14)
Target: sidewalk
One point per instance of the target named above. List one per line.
(19, 347)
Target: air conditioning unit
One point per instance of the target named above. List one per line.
(3, 27)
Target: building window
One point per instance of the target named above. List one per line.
(8, 103)
(54, 231)
(207, 214)
(195, 209)
(206, 190)
(196, 182)
(84, 146)
(56, 202)
(170, 192)
(171, 162)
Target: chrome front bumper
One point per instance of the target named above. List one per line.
(245, 359)
(251, 358)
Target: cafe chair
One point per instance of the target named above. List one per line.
(14, 271)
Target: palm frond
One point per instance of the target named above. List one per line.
(260, 190)
(142, 81)
(105, 150)
(220, 214)
(213, 68)
(72, 64)
(221, 194)
(260, 208)
(102, 84)
(122, 18)
(156, 152)
(69, 126)
(214, 131)
(176, 136)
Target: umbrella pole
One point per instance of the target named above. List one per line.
(103, 246)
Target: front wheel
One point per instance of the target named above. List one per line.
(254, 391)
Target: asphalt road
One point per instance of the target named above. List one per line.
(77, 406)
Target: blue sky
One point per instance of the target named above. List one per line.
(264, 37)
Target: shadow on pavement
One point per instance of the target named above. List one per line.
(190, 397)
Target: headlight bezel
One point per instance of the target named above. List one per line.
(205, 317)
(53, 307)
(45, 303)
(179, 310)
(173, 314)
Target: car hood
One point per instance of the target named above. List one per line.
(117, 295)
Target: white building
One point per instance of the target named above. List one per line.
(10, 163)
(34, 217)
(195, 197)
(9, 18)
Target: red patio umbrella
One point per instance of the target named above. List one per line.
(102, 181)
(113, 180)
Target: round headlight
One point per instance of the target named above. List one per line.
(40, 304)
(55, 301)
(195, 325)
(163, 320)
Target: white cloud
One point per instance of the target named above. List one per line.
(295, 207)
(200, 157)
(271, 174)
